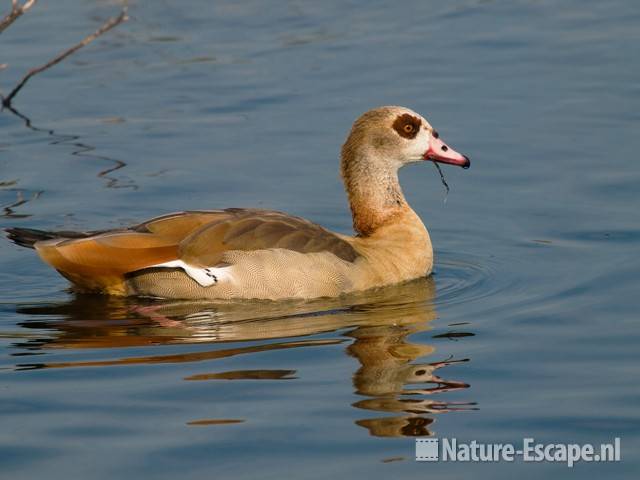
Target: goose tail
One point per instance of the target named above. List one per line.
(27, 237)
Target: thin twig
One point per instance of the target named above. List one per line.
(16, 11)
(444, 182)
(108, 25)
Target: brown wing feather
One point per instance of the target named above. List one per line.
(179, 225)
(256, 230)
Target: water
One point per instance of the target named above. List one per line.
(527, 329)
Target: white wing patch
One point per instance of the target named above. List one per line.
(205, 276)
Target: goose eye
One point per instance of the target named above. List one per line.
(407, 126)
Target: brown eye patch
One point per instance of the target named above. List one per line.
(407, 125)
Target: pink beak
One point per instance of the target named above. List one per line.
(443, 153)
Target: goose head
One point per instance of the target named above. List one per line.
(396, 136)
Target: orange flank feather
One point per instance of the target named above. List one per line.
(100, 262)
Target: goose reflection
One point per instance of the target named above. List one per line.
(392, 376)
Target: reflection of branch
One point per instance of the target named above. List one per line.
(16, 12)
(111, 181)
(8, 210)
(82, 150)
(108, 25)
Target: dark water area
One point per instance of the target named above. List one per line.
(528, 328)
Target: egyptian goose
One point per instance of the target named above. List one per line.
(262, 254)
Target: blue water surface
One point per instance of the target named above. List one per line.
(528, 328)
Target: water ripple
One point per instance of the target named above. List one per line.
(466, 278)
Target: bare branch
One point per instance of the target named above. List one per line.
(16, 11)
(108, 25)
